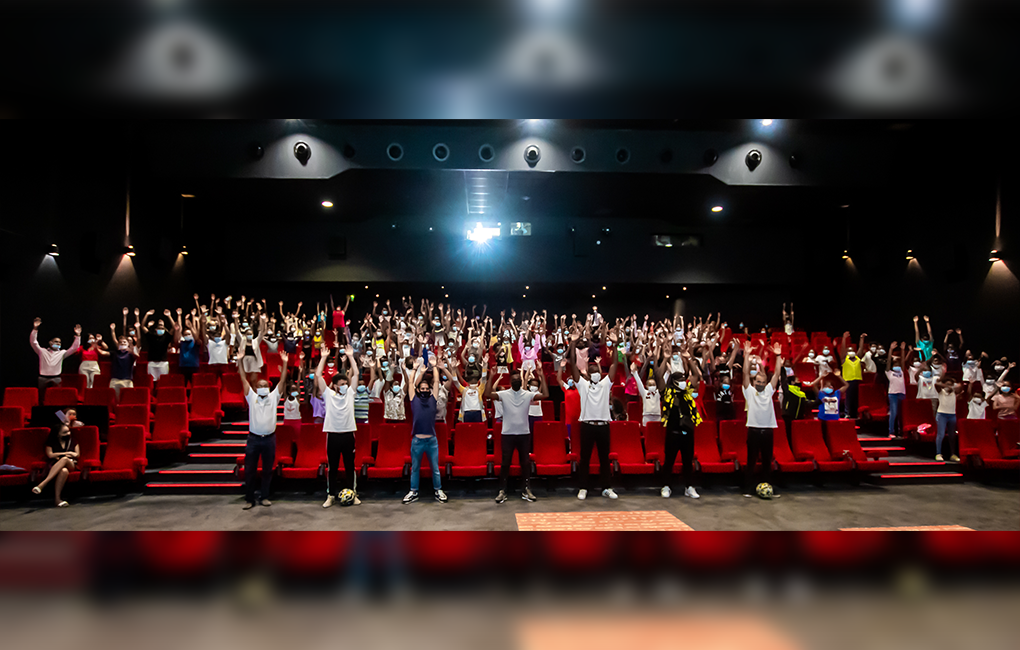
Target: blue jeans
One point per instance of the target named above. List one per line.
(946, 426)
(894, 410)
(428, 446)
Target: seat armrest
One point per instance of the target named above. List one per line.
(573, 456)
(873, 453)
(285, 461)
(729, 455)
(804, 455)
(614, 455)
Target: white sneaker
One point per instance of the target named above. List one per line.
(328, 502)
(665, 492)
(938, 457)
(608, 492)
(582, 494)
(357, 501)
(954, 458)
(692, 493)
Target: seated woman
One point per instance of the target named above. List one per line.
(63, 453)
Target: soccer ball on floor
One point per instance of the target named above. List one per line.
(346, 497)
(764, 490)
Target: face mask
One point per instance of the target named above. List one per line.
(916, 364)
(424, 394)
(217, 338)
(362, 388)
(873, 349)
(533, 389)
(789, 372)
(263, 391)
(189, 338)
(760, 389)
(248, 337)
(294, 393)
(595, 377)
(999, 368)
(330, 364)
(926, 374)
(1005, 389)
(123, 347)
(676, 357)
(342, 389)
(896, 368)
(977, 400)
(725, 386)
(754, 372)
(435, 323)
(682, 385)
(851, 354)
(827, 390)
(811, 355)
(131, 332)
(384, 312)
(385, 364)
(396, 389)
(471, 359)
(570, 383)
(881, 351)
(970, 364)
(91, 341)
(559, 350)
(55, 346)
(694, 395)
(162, 332)
(378, 334)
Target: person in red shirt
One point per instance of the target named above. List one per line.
(90, 354)
(571, 400)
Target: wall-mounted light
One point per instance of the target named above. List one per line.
(910, 254)
(54, 251)
(717, 208)
(327, 204)
(846, 255)
(129, 250)
(184, 250)
(992, 256)
(766, 122)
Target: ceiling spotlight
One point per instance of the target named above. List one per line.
(527, 287)
(442, 286)
(524, 295)
(992, 256)
(845, 205)
(129, 250)
(302, 152)
(55, 252)
(766, 122)
(845, 255)
(685, 288)
(187, 196)
(593, 295)
(532, 155)
(667, 295)
(327, 204)
(603, 288)
(910, 254)
(376, 295)
(446, 295)
(184, 250)
(717, 208)
(366, 286)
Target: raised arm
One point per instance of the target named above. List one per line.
(245, 386)
(776, 375)
(281, 386)
(323, 355)
(747, 364)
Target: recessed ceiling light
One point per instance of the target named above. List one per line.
(527, 287)
(603, 288)
(717, 208)
(685, 288)
(845, 205)
(766, 122)
(327, 204)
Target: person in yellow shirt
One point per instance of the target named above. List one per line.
(852, 372)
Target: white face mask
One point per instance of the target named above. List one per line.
(595, 377)
(851, 354)
(263, 391)
(917, 364)
(123, 347)
(533, 389)
(682, 385)
(342, 389)
(91, 341)
(396, 389)
(811, 355)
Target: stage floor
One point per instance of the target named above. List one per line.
(975, 506)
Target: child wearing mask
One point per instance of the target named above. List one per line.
(393, 396)
(923, 342)
(926, 387)
(830, 394)
(977, 401)
(571, 399)
(470, 396)
(945, 416)
(897, 386)
(1005, 402)
(292, 407)
(852, 374)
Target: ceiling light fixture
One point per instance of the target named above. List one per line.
(766, 122)
(129, 250)
(992, 256)
(327, 204)
(184, 250)
(846, 256)
(910, 254)
(54, 251)
(717, 208)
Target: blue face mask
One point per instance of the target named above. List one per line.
(754, 372)
(896, 369)
(471, 359)
(827, 390)
(362, 389)
(160, 332)
(1004, 389)
(694, 395)
(293, 393)
(725, 386)
(570, 383)
(926, 374)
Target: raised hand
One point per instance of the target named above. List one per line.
(349, 350)
(77, 330)
(219, 309)
(958, 331)
(915, 319)
(37, 322)
(284, 357)
(196, 297)
(179, 311)
(926, 319)
(777, 348)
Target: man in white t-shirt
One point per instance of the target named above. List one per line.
(261, 442)
(516, 430)
(761, 419)
(339, 426)
(594, 392)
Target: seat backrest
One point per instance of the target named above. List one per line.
(548, 443)
(733, 440)
(311, 446)
(872, 395)
(841, 435)
(142, 379)
(205, 400)
(443, 439)
(548, 410)
(133, 414)
(124, 443)
(363, 444)
(205, 379)
(634, 411)
(469, 443)
(979, 435)
(231, 384)
(74, 380)
(87, 439)
(172, 395)
(807, 437)
(169, 381)
(805, 371)
(135, 396)
(60, 397)
(780, 445)
(171, 419)
(28, 446)
(625, 440)
(706, 442)
(917, 411)
(100, 397)
(10, 418)
(394, 443)
(26, 398)
(655, 439)
(286, 434)
(1009, 437)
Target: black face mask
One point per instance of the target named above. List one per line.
(515, 384)
(424, 394)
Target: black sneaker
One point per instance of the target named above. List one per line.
(441, 496)
(501, 497)
(528, 496)
(411, 496)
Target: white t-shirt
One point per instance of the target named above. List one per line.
(868, 362)
(972, 373)
(441, 400)
(760, 412)
(515, 411)
(291, 409)
(896, 385)
(217, 351)
(535, 410)
(788, 328)
(377, 388)
(976, 409)
(262, 411)
(947, 402)
(650, 400)
(594, 399)
(926, 387)
(471, 399)
(339, 411)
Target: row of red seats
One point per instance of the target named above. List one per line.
(122, 458)
(719, 448)
(991, 444)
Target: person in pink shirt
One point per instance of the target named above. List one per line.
(51, 358)
(90, 358)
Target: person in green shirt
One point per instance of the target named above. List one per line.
(923, 342)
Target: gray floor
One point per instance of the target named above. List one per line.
(721, 508)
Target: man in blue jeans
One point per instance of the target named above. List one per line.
(423, 429)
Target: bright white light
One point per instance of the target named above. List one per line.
(717, 208)
(482, 234)
(327, 204)
(766, 122)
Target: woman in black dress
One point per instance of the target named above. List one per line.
(64, 454)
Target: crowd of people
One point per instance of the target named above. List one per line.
(428, 353)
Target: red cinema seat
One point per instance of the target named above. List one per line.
(28, 451)
(706, 451)
(272, 365)
(310, 454)
(548, 409)
(205, 379)
(625, 449)
(634, 412)
(868, 377)
(134, 414)
(872, 399)
(87, 439)
(23, 398)
(10, 419)
(469, 457)
(102, 380)
(101, 397)
(376, 410)
(809, 444)
(172, 395)
(655, 442)
(143, 379)
(231, 390)
(911, 391)
(805, 371)
(61, 397)
(784, 458)
(286, 435)
(733, 441)
(169, 381)
(135, 396)
(1009, 438)
(918, 412)
(549, 449)
(205, 407)
(76, 381)
(394, 451)
(125, 454)
(841, 436)
(979, 448)
(363, 448)
(170, 428)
